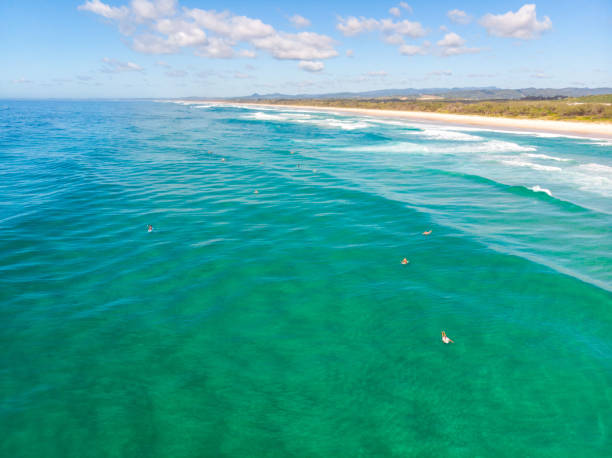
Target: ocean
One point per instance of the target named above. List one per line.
(268, 312)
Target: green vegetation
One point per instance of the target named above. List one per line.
(605, 98)
(597, 108)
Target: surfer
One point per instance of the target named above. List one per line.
(405, 261)
(256, 192)
(150, 228)
(445, 338)
(427, 232)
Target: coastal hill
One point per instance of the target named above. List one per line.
(465, 93)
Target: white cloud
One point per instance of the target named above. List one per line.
(300, 46)
(392, 32)
(406, 6)
(299, 21)
(405, 27)
(414, 50)
(161, 63)
(116, 66)
(350, 53)
(378, 74)
(180, 33)
(150, 10)
(21, 81)
(148, 43)
(523, 24)
(161, 27)
(311, 66)
(217, 48)
(396, 10)
(109, 12)
(451, 40)
(236, 28)
(352, 26)
(457, 50)
(458, 16)
(247, 53)
(395, 39)
(452, 45)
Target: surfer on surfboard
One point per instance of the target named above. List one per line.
(445, 338)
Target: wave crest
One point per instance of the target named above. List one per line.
(443, 134)
(537, 188)
(492, 146)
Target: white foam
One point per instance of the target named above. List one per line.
(595, 178)
(493, 146)
(335, 123)
(185, 102)
(443, 134)
(591, 182)
(302, 118)
(537, 188)
(496, 146)
(261, 116)
(279, 109)
(390, 123)
(298, 114)
(531, 165)
(599, 169)
(546, 157)
(595, 140)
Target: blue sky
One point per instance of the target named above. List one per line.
(174, 48)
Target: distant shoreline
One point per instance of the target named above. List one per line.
(569, 128)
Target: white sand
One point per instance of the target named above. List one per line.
(583, 129)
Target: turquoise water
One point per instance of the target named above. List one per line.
(282, 323)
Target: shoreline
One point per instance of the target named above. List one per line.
(566, 128)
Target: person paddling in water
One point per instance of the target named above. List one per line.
(150, 228)
(445, 338)
(405, 261)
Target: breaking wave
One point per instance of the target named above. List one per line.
(443, 134)
(491, 146)
(531, 165)
(538, 188)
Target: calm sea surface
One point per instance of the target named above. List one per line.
(282, 323)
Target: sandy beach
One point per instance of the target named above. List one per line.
(569, 128)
